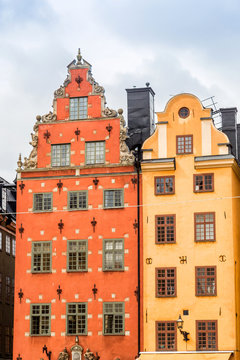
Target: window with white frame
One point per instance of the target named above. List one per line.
(95, 152)
(113, 255)
(8, 244)
(61, 155)
(13, 246)
(78, 108)
(113, 198)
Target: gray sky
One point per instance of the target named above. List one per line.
(178, 46)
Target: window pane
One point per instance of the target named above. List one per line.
(61, 155)
(95, 152)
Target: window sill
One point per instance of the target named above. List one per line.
(113, 270)
(205, 241)
(113, 334)
(42, 211)
(80, 209)
(114, 207)
(207, 295)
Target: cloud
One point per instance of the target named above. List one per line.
(176, 46)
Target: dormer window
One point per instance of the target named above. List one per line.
(78, 108)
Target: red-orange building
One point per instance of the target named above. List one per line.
(76, 253)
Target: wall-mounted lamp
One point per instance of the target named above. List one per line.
(180, 328)
(19, 357)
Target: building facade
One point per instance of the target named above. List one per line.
(76, 259)
(7, 261)
(190, 188)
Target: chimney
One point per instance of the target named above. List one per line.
(229, 127)
(141, 124)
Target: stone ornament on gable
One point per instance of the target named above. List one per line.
(109, 112)
(31, 161)
(126, 156)
(59, 93)
(49, 117)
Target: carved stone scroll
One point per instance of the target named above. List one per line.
(109, 112)
(89, 355)
(126, 156)
(59, 93)
(49, 117)
(63, 355)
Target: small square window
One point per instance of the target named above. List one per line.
(165, 229)
(77, 200)
(113, 198)
(164, 185)
(166, 282)
(41, 256)
(206, 281)
(113, 318)
(203, 182)
(184, 144)
(113, 255)
(42, 202)
(8, 244)
(77, 255)
(40, 319)
(206, 335)
(77, 319)
(204, 226)
(166, 336)
(78, 108)
(61, 155)
(95, 152)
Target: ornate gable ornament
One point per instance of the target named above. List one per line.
(76, 351)
(126, 156)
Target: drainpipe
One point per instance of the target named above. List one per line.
(138, 168)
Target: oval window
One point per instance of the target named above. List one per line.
(184, 112)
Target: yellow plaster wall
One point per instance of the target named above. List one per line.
(184, 203)
(189, 126)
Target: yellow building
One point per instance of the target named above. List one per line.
(190, 237)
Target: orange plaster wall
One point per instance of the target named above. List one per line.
(89, 131)
(122, 284)
(111, 224)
